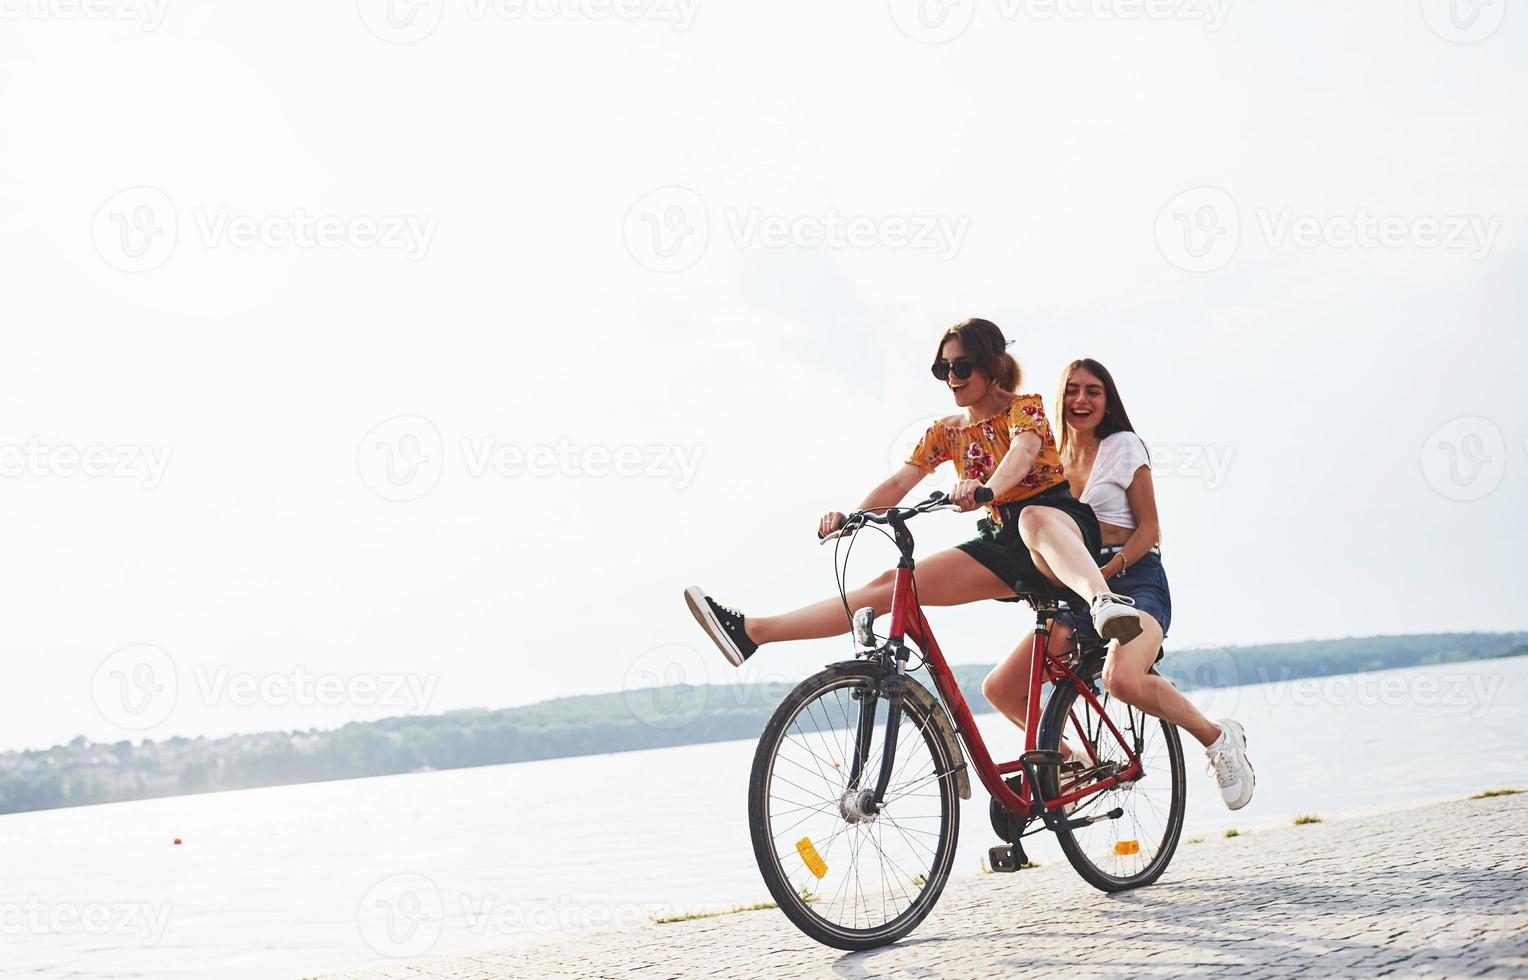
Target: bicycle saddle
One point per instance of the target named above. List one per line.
(1037, 589)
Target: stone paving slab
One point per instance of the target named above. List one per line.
(1440, 890)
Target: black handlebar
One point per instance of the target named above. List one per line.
(939, 498)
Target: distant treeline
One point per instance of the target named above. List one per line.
(84, 772)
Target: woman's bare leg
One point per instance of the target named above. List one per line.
(1061, 553)
(948, 578)
(1007, 687)
(1126, 677)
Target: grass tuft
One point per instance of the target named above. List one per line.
(1232, 832)
(1490, 793)
(1306, 818)
(1196, 840)
(689, 916)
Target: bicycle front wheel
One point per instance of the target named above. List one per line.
(1133, 849)
(849, 879)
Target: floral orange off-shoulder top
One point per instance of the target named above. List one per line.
(977, 447)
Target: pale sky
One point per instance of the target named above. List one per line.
(642, 295)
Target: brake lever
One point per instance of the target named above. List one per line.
(846, 529)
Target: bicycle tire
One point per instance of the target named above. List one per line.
(1166, 760)
(865, 675)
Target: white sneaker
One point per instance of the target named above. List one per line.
(1115, 618)
(1232, 768)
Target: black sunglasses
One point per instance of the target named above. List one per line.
(960, 367)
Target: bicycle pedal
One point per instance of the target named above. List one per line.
(1078, 823)
(1006, 859)
(1042, 757)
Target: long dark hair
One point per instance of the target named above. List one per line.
(1115, 419)
(987, 351)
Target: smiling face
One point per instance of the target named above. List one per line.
(970, 390)
(1084, 400)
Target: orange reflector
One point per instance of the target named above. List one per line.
(1127, 847)
(814, 862)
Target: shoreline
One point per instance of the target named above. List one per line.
(1351, 899)
(1245, 829)
(632, 719)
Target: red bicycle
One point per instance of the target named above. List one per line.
(853, 803)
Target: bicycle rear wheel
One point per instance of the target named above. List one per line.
(847, 879)
(1135, 848)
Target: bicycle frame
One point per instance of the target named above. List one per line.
(909, 624)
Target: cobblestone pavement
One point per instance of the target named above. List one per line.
(1440, 890)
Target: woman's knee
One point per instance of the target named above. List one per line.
(1001, 692)
(878, 590)
(1122, 682)
(1031, 522)
(992, 690)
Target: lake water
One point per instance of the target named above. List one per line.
(296, 881)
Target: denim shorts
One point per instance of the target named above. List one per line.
(1145, 582)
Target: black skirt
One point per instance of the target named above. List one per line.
(1002, 552)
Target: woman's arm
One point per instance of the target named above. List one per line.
(889, 492)
(1012, 468)
(1142, 494)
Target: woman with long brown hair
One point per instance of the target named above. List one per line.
(1109, 469)
(1001, 441)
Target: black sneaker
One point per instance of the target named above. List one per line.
(722, 624)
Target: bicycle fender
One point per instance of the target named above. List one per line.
(941, 718)
(934, 708)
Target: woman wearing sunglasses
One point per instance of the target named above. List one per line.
(1002, 441)
(1109, 469)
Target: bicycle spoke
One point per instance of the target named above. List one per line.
(877, 865)
(1134, 846)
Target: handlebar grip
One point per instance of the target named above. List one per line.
(841, 522)
(983, 495)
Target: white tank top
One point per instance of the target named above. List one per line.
(1119, 456)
